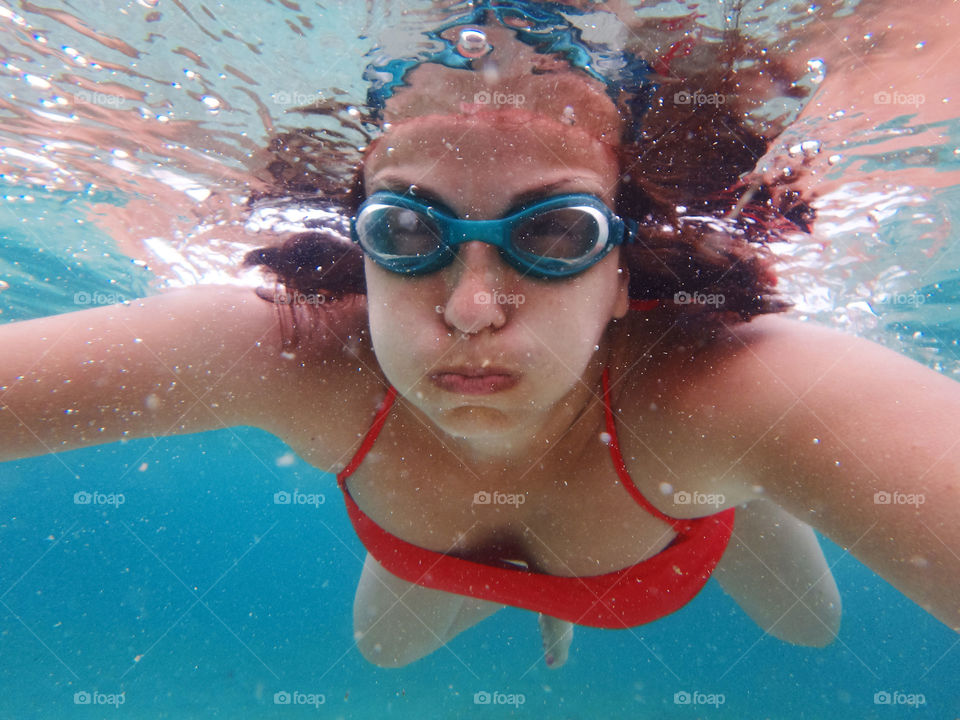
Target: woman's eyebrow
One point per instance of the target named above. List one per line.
(538, 193)
(412, 190)
(517, 201)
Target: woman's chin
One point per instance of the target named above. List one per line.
(476, 421)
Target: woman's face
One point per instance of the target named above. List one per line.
(480, 349)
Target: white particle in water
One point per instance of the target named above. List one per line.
(36, 81)
(605, 438)
(210, 101)
(666, 488)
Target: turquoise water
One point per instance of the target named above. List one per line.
(197, 596)
(229, 598)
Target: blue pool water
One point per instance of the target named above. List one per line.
(158, 578)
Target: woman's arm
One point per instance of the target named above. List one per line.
(184, 361)
(856, 440)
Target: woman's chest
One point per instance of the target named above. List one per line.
(561, 515)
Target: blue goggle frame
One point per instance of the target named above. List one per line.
(611, 230)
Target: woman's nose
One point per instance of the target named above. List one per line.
(475, 278)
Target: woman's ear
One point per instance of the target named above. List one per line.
(622, 303)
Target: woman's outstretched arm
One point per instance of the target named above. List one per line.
(858, 441)
(183, 361)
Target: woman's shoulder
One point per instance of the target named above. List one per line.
(306, 374)
(691, 407)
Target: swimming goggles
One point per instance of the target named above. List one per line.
(553, 238)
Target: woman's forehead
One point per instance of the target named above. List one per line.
(566, 97)
(490, 154)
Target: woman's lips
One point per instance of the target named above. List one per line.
(469, 381)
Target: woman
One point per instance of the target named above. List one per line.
(525, 374)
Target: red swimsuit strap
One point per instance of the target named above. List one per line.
(370, 438)
(680, 526)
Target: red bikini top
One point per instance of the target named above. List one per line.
(635, 595)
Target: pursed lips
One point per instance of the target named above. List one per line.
(474, 380)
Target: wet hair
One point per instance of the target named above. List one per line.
(705, 220)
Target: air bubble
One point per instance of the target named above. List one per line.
(472, 43)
